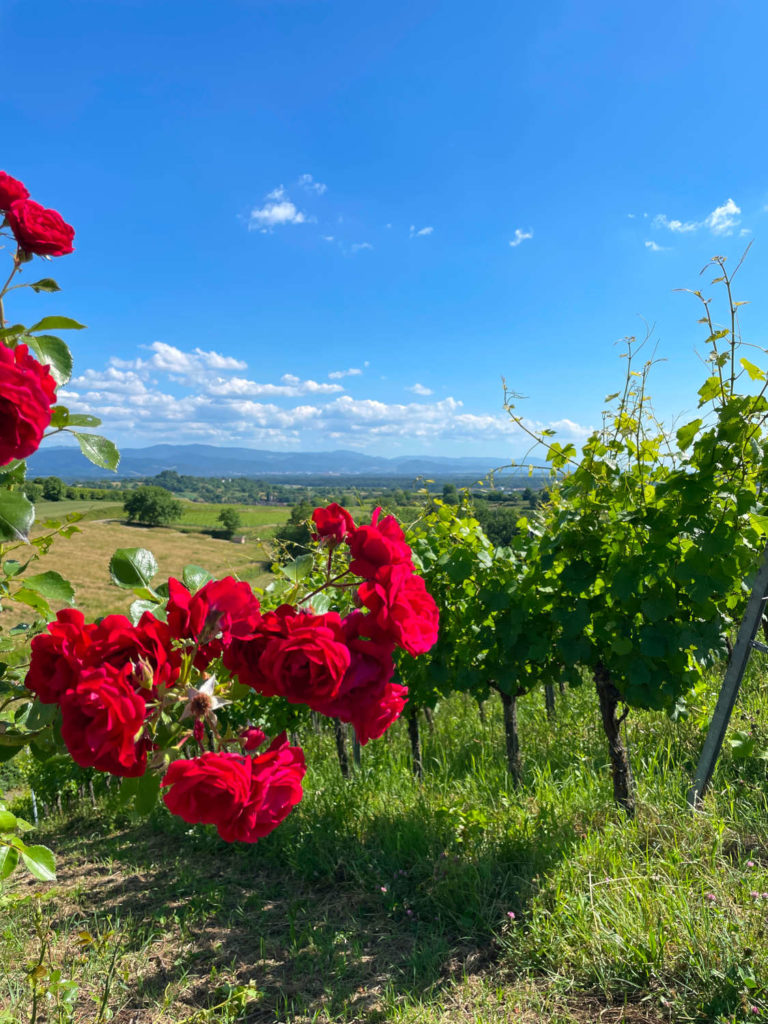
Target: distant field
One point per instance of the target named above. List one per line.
(84, 560)
(253, 517)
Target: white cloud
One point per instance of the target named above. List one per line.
(358, 246)
(521, 236)
(194, 395)
(721, 221)
(724, 219)
(656, 248)
(662, 221)
(351, 372)
(308, 182)
(421, 233)
(277, 193)
(327, 238)
(290, 388)
(275, 212)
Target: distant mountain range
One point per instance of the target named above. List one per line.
(209, 460)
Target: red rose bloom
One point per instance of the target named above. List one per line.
(380, 544)
(146, 647)
(402, 608)
(367, 697)
(298, 655)
(244, 797)
(57, 656)
(10, 191)
(334, 524)
(101, 716)
(252, 738)
(213, 616)
(39, 231)
(27, 392)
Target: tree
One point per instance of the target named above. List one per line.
(152, 506)
(53, 488)
(450, 494)
(230, 520)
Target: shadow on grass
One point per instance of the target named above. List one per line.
(318, 918)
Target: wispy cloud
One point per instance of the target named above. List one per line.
(680, 227)
(421, 233)
(308, 182)
(656, 248)
(721, 221)
(353, 371)
(520, 236)
(419, 389)
(358, 246)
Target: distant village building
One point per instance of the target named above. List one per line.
(238, 538)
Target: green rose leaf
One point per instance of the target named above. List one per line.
(79, 419)
(9, 858)
(98, 450)
(52, 586)
(54, 353)
(137, 609)
(33, 600)
(7, 821)
(45, 284)
(195, 577)
(17, 514)
(59, 416)
(57, 323)
(132, 567)
(147, 793)
(298, 568)
(40, 861)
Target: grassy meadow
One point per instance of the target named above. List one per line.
(83, 559)
(457, 901)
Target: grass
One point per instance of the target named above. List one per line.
(83, 559)
(380, 899)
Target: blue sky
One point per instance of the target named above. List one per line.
(326, 224)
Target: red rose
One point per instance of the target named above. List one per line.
(244, 797)
(402, 607)
(213, 616)
(296, 655)
(27, 392)
(372, 717)
(39, 231)
(209, 789)
(275, 790)
(333, 523)
(367, 698)
(252, 738)
(57, 656)
(382, 543)
(100, 718)
(10, 191)
(146, 647)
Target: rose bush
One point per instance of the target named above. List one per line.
(157, 699)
